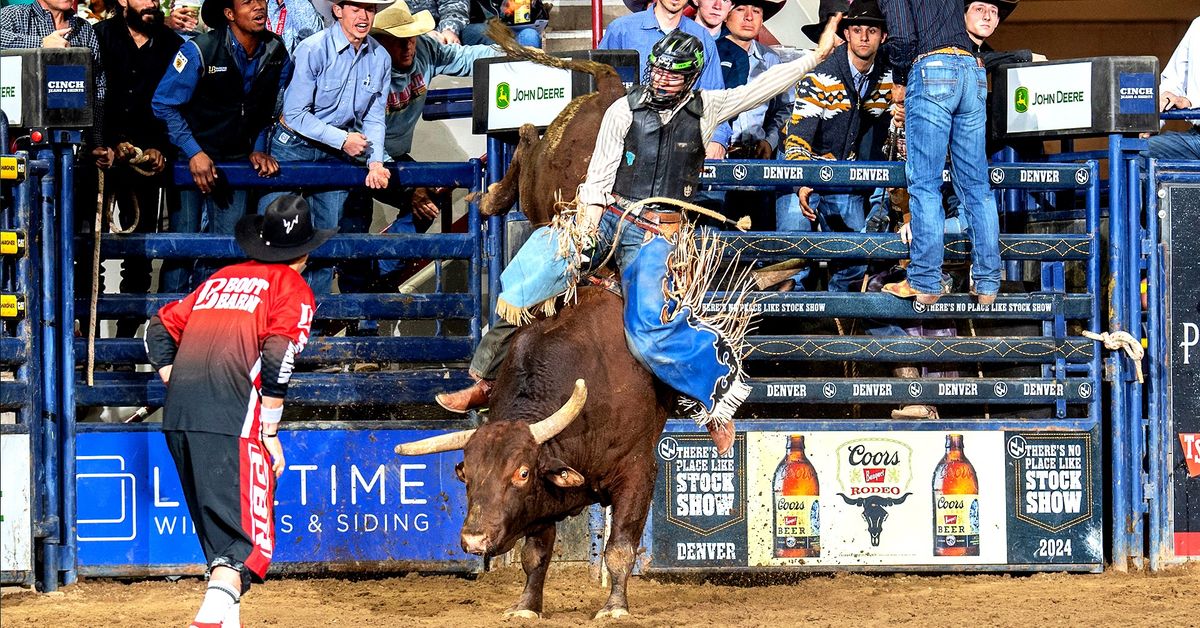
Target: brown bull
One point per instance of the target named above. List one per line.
(538, 460)
(546, 170)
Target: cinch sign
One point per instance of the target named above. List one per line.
(526, 92)
(1048, 98)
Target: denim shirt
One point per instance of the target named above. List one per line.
(764, 122)
(336, 89)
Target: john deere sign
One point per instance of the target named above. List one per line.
(525, 92)
(1049, 97)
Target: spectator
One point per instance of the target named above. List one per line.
(835, 105)
(450, 15)
(788, 215)
(929, 50)
(218, 100)
(640, 31)
(184, 17)
(756, 132)
(415, 61)
(711, 14)
(528, 34)
(139, 47)
(983, 17)
(1180, 89)
(293, 21)
(333, 111)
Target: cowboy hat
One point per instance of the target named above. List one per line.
(865, 13)
(1006, 7)
(398, 21)
(769, 7)
(282, 233)
(212, 13)
(827, 9)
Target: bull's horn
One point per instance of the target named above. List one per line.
(436, 444)
(550, 426)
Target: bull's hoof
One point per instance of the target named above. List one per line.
(523, 613)
(612, 613)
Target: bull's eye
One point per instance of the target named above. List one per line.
(521, 476)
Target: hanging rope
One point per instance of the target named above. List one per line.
(135, 158)
(1122, 341)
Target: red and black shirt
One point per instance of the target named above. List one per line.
(230, 342)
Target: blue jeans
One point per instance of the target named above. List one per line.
(476, 33)
(326, 206)
(216, 213)
(790, 219)
(1181, 145)
(946, 103)
(842, 213)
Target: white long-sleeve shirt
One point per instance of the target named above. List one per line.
(719, 105)
(1181, 75)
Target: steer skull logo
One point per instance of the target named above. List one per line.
(875, 474)
(875, 512)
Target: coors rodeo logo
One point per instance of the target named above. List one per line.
(874, 475)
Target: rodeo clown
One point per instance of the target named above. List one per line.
(225, 353)
(649, 154)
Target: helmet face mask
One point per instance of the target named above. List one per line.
(678, 55)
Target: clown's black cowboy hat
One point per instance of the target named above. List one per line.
(769, 7)
(826, 10)
(863, 13)
(283, 232)
(1006, 7)
(212, 13)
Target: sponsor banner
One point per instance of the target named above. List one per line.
(524, 92)
(1182, 203)
(66, 87)
(699, 516)
(877, 174)
(894, 498)
(16, 549)
(10, 90)
(1137, 93)
(344, 497)
(1056, 505)
(934, 390)
(1049, 97)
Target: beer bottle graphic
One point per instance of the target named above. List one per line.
(955, 503)
(796, 504)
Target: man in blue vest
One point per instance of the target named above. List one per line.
(217, 100)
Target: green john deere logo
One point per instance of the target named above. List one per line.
(503, 96)
(1021, 100)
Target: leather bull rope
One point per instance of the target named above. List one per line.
(134, 157)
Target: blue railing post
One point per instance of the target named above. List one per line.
(66, 368)
(1122, 513)
(1157, 459)
(49, 476)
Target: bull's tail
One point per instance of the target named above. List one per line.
(504, 37)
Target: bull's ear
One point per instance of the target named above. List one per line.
(562, 475)
(458, 471)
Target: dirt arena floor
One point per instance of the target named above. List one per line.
(1112, 599)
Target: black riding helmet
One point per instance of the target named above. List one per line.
(678, 52)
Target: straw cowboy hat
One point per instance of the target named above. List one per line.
(398, 21)
(282, 233)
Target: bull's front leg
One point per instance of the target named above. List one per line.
(628, 520)
(535, 558)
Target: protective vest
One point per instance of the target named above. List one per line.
(224, 119)
(661, 160)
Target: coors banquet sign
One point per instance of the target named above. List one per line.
(796, 505)
(955, 503)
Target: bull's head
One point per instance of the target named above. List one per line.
(875, 512)
(506, 473)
